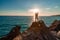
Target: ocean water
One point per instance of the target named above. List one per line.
(8, 22)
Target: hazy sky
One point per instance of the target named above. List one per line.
(21, 7)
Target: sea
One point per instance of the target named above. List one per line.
(8, 22)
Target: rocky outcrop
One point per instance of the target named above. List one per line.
(55, 26)
(38, 31)
(13, 34)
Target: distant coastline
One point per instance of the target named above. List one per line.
(55, 15)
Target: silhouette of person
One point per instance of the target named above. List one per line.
(36, 16)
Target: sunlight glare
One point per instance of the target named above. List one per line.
(34, 11)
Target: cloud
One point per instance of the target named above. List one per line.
(56, 7)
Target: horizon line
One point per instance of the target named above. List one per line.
(26, 15)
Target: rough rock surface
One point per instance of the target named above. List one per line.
(38, 31)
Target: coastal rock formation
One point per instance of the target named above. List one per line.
(14, 33)
(55, 26)
(38, 31)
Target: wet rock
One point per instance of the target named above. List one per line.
(13, 34)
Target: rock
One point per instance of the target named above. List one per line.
(38, 31)
(18, 37)
(55, 26)
(55, 29)
(58, 34)
(13, 34)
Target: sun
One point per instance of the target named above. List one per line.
(34, 10)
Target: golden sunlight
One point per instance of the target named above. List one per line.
(35, 10)
(35, 13)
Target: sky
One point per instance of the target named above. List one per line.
(21, 7)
